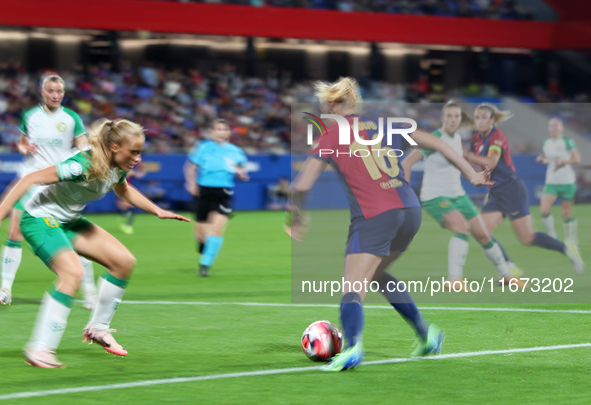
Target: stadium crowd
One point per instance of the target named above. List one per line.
(494, 9)
(175, 105)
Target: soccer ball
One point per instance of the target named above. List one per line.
(321, 341)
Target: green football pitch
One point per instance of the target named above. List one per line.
(234, 338)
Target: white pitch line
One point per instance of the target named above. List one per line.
(270, 304)
(31, 394)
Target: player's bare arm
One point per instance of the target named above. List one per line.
(429, 141)
(25, 148)
(81, 142)
(191, 169)
(131, 195)
(45, 176)
(575, 158)
(410, 160)
(295, 222)
(489, 161)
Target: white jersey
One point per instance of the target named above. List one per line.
(441, 178)
(65, 200)
(560, 148)
(52, 133)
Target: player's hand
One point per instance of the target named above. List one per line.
(31, 149)
(295, 225)
(482, 178)
(540, 159)
(560, 163)
(192, 188)
(242, 174)
(163, 214)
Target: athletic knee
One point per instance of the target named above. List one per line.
(217, 232)
(129, 262)
(482, 239)
(125, 265)
(72, 276)
(458, 227)
(527, 239)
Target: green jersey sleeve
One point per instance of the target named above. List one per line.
(78, 125)
(74, 168)
(427, 152)
(570, 144)
(122, 177)
(27, 114)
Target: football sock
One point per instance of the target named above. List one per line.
(570, 231)
(456, 255)
(213, 245)
(494, 253)
(352, 317)
(110, 293)
(200, 247)
(88, 280)
(547, 242)
(548, 221)
(12, 253)
(51, 320)
(505, 255)
(403, 303)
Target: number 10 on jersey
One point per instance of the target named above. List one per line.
(377, 159)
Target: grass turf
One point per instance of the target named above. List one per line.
(173, 340)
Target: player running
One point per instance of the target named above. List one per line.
(444, 199)
(508, 195)
(57, 232)
(48, 132)
(559, 153)
(385, 215)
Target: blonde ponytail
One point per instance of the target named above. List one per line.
(343, 91)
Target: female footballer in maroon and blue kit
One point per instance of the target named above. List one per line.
(385, 214)
(508, 195)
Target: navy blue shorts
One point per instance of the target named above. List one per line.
(511, 199)
(391, 231)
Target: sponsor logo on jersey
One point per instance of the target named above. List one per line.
(62, 127)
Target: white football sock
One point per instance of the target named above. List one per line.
(88, 281)
(495, 255)
(570, 232)
(110, 293)
(549, 224)
(11, 260)
(456, 257)
(51, 321)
